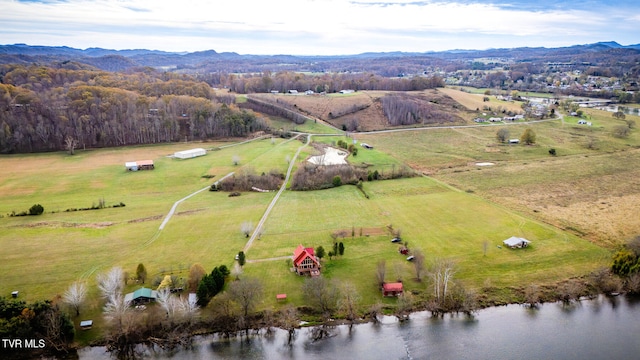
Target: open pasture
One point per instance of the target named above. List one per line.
(205, 229)
(436, 219)
(439, 221)
(588, 187)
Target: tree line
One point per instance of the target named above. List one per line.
(44, 109)
(284, 81)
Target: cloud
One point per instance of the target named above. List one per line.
(314, 26)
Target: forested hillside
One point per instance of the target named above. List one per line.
(46, 108)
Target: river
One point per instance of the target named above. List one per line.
(602, 328)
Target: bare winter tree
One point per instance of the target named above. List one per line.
(398, 269)
(289, 321)
(404, 306)
(75, 295)
(168, 303)
(348, 302)
(418, 263)
(236, 271)
(374, 311)
(116, 312)
(502, 135)
(112, 282)
(322, 295)
(246, 293)
(246, 228)
(442, 275)
(532, 295)
(70, 144)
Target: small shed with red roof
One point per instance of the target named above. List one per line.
(305, 262)
(392, 289)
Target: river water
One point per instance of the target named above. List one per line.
(603, 328)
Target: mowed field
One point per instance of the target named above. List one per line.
(574, 207)
(44, 254)
(589, 188)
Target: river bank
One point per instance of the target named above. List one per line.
(601, 328)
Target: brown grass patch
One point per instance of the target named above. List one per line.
(148, 218)
(475, 101)
(51, 224)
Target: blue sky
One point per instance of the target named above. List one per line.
(317, 27)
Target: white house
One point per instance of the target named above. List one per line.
(516, 242)
(188, 154)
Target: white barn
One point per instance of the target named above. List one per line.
(516, 242)
(188, 154)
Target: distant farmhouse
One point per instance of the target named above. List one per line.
(139, 165)
(188, 154)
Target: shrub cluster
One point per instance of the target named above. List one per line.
(314, 177)
(247, 180)
(211, 284)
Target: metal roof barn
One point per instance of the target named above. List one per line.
(188, 154)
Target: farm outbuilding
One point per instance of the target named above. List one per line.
(188, 154)
(139, 165)
(516, 242)
(142, 295)
(392, 289)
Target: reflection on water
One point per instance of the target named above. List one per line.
(604, 328)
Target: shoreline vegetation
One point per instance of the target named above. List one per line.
(451, 224)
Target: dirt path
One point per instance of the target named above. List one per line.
(275, 198)
(175, 205)
(280, 258)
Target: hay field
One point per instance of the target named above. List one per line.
(439, 221)
(589, 188)
(67, 246)
(473, 101)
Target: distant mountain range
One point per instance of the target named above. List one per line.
(117, 60)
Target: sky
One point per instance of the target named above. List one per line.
(317, 27)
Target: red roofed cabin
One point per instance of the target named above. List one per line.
(305, 262)
(392, 289)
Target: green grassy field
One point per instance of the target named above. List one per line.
(426, 213)
(309, 126)
(43, 255)
(587, 187)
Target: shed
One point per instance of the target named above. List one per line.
(392, 289)
(86, 324)
(14, 294)
(142, 295)
(193, 299)
(131, 166)
(514, 141)
(515, 242)
(188, 154)
(145, 165)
